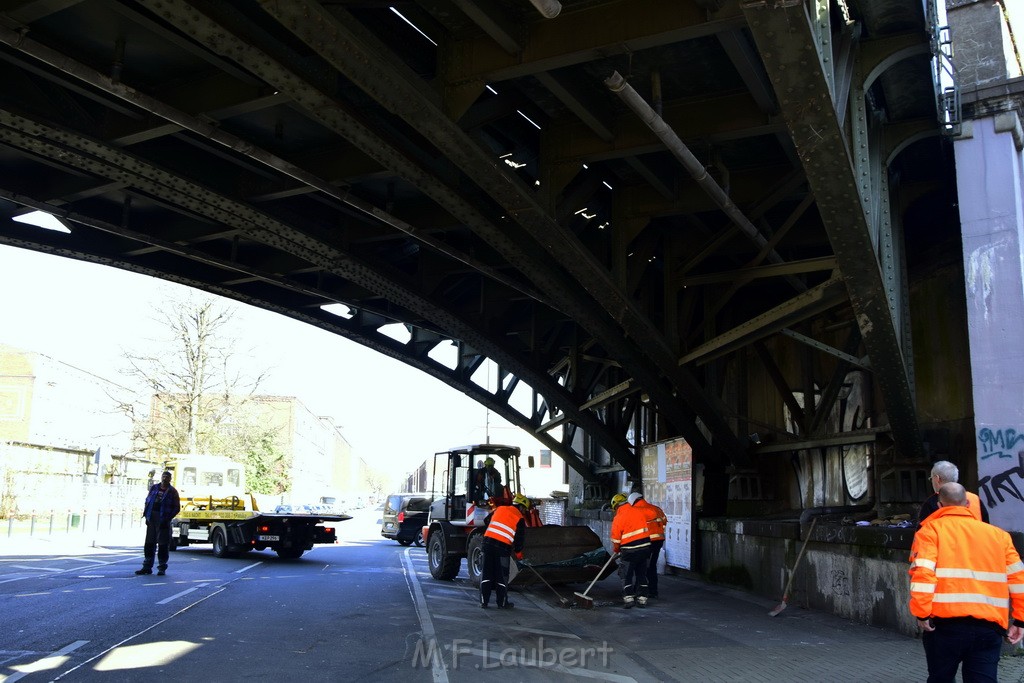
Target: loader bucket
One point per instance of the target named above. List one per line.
(561, 554)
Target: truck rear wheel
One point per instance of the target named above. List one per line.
(220, 544)
(442, 565)
(290, 553)
(475, 559)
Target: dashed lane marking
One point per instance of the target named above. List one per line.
(37, 569)
(178, 595)
(51, 661)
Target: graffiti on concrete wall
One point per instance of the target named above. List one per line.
(997, 443)
(840, 583)
(1000, 484)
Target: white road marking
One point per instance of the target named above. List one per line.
(438, 671)
(133, 637)
(47, 662)
(37, 569)
(553, 634)
(243, 569)
(178, 595)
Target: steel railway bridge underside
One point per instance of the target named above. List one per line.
(698, 218)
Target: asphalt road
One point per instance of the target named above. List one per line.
(365, 609)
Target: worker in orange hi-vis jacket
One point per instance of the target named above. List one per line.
(632, 540)
(656, 522)
(966, 590)
(504, 537)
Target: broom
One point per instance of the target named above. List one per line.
(561, 601)
(789, 584)
(582, 599)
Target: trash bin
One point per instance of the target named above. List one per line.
(75, 520)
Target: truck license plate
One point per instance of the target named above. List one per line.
(268, 538)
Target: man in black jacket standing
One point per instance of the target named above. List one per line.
(162, 504)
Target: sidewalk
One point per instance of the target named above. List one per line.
(91, 542)
(702, 632)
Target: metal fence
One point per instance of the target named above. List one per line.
(49, 523)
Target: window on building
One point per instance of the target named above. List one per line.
(545, 457)
(234, 477)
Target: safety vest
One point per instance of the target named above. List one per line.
(656, 519)
(629, 528)
(504, 521)
(963, 567)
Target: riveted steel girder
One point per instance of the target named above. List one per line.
(96, 158)
(788, 39)
(339, 43)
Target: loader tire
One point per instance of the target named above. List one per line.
(475, 559)
(442, 566)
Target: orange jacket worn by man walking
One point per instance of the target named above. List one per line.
(504, 536)
(966, 587)
(632, 540)
(656, 522)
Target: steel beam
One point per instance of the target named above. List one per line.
(788, 43)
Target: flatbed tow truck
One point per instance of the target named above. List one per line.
(214, 510)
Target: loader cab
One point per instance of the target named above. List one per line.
(457, 482)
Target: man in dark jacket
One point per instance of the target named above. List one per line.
(162, 504)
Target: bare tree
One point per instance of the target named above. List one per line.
(200, 391)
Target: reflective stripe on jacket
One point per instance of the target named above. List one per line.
(629, 528)
(504, 521)
(963, 567)
(656, 519)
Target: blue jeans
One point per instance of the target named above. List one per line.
(974, 642)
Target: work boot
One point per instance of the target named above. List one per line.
(507, 605)
(143, 571)
(641, 602)
(161, 572)
(628, 602)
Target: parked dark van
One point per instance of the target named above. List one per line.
(405, 515)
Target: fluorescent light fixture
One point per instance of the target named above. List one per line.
(585, 167)
(493, 91)
(513, 164)
(583, 210)
(505, 156)
(605, 183)
(417, 28)
(532, 122)
(41, 219)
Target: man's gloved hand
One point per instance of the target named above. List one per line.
(519, 556)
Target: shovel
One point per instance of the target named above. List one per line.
(582, 599)
(789, 584)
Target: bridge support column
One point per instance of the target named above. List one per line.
(990, 184)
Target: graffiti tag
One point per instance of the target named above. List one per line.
(998, 443)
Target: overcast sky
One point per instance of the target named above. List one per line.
(88, 315)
